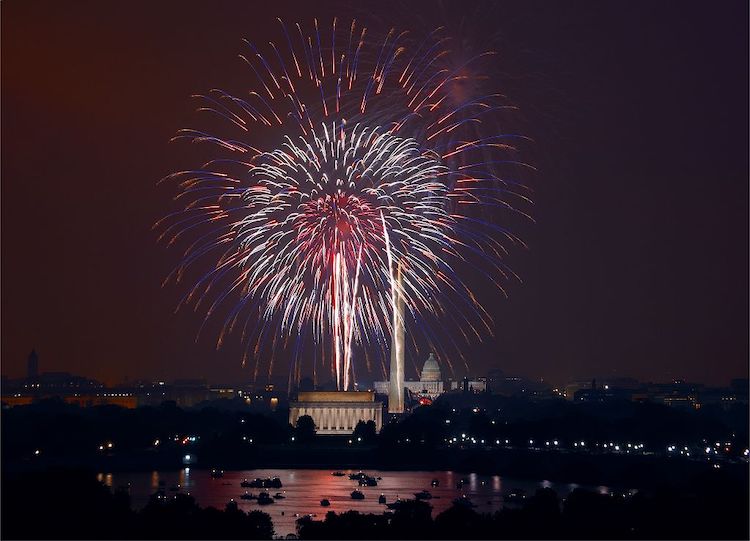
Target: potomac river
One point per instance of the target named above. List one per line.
(303, 489)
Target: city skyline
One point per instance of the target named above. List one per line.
(434, 384)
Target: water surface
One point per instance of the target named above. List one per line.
(305, 488)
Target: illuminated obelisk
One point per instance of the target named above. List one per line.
(396, 386)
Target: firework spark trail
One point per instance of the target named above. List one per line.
(349, 166)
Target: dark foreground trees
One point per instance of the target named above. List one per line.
(701, 514)
(74, 505)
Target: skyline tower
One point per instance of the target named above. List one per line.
(32, 365)
(396, 370)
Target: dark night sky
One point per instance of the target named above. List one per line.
(638, 262)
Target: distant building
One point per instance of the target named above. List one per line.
(263, 399)
(495, 381)
(60, 383)
(113, 398)
(337, 412)
(188, 392)
(32, 365)
(682, 401)
(677, 394)
(430, 383)
(724, 397)
(590, 394)
(601, 393)
(476, 385)
(224, 391)
(574, 386)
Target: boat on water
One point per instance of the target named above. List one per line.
(435, 483)
(278, 496)
(159, 495)
(463, 501)
(358, 476)
(357, 495)
(324, 502)
(381, 498)
(262, 483)
(394, 505)
(338, 474)
(249, 496)
(368, 482)
(264, 498)
(516, 495)
(423, 495)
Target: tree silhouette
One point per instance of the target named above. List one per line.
(305, 430)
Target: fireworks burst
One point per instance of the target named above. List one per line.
(351, 165)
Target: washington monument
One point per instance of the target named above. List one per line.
(396, 384)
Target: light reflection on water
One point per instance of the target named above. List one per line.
(305, 488)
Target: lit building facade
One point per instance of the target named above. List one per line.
(430, 381)
(337, 412)
(478, 385)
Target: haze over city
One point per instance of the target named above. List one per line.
(637, 262)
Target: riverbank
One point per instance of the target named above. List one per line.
(647, 471)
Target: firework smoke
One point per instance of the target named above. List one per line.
(353, 157)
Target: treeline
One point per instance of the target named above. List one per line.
(72, 435)
(223, 424)
(492, 418)
(53, 434)
(663, 514)
(74, 505)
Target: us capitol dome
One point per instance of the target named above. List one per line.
(431, 369)
(430, 383)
